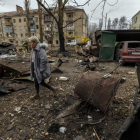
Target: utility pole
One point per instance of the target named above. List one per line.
(105, 20)
(40, 21)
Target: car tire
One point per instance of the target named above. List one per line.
(120, 62)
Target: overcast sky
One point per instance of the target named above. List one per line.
(126, 8)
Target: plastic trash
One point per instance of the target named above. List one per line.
(63, 78)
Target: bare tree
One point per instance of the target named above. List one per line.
(91, 31)
(123, 22)
(27, 5)
(109, 24)
(115, 23)
(100, 24)
(60, 11)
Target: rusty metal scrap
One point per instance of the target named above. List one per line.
(6, 71)
(70, 110)
(96, 90)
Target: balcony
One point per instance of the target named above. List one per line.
(70, 37)
(8, 30)
(8, 23)
(70, 19)
(32, 29)
(47, 20)
(69, 28)
(31, 21)
(47, 29)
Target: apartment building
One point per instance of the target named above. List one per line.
(13, 25)
(136, 21)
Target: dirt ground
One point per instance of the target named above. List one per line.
(34, 119)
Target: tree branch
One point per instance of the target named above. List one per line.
(81, 5)
(65, 3)
(95, 8)
(72, 22)
(48, 11)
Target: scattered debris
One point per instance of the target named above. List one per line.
(53, 128)
(10, 127)
(79, 138)
(62, 78)
(70, 110)
(62, 129)
(131, 73)
(17, 109)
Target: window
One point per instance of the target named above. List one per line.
(56, 26)
(37, 27)
(21, 35)
(71, 33)
(133, 46)
(20, 27)
(135, 19)
(32, 34)
(0, 35)
(26, 34)
(36, 19)
(14, 20)
(42, 26)
(19, 20)
(49, 42)
(16, 42)
(0, 29)
(56, 41)
(15, 35)
(70, 25)
(24, 19)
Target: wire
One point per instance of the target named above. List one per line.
(113, 4)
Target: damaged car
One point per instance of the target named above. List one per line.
(128, 52)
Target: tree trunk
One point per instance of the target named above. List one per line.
(60, 27)
(27, 17)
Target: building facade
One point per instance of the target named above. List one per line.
(136, 21)
(13, 25)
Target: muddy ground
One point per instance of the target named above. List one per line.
(34, 119)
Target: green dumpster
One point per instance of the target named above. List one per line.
(107, 48)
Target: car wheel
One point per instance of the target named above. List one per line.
(10, 51)
(120, 62)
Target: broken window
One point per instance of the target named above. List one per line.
(49, 42)
(70, 33)
(14, 20)
(37, 27)
(21, 35)
(36, 19)
(24, 19)
(56, 41)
